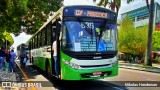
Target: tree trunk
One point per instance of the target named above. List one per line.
(147, 2)
(148, 58)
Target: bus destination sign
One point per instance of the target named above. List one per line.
(90, 13)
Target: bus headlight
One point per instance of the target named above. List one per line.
(73, 65)
(114, 63)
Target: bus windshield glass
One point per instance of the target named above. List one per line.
(89, 36)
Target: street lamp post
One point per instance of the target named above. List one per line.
(6, 44)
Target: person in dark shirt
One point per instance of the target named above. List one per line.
(2, 58)
(8, 57)
(22, 56)
(12, 60)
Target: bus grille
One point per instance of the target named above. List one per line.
(94, 66)
(94, 56)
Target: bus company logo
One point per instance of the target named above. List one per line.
(6, 84)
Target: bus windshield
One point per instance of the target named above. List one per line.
(89, 36)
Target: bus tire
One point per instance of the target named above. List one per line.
(48, 70)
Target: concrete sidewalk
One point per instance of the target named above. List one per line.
(155, 69)
(9, 77)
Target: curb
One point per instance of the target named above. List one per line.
(140, 69)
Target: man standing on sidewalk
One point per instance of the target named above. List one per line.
(22, 56)
(12, 60)
(8, 57)
(54, 49)
(2, 58)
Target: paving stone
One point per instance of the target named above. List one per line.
(9, 76)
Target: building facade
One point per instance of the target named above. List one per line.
(140, 16)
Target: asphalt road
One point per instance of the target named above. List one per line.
(102, 84)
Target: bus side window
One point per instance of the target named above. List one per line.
(64, 36)
(59, 27)
(53, 31)
(43, 37)
(49, 34)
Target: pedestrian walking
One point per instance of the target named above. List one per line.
(22, 56)
(12, 60)
(2, 58)
(8, 57)
(25, 60)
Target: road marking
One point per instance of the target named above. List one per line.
(26, 77)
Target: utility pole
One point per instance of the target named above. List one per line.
(6, 44)
(148, 58)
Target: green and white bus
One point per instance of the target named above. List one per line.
(86, 39)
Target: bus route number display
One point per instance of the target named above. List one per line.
(90, 13)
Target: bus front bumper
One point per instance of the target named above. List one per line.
(69, 73)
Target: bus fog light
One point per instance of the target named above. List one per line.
(73, 65)
(76, 66)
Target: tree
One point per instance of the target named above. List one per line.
(148, 58)
(37, 15)
(126, 35)
(30, 14)
(6, 37)
(130, 39)
(156, 40)
(114, 5)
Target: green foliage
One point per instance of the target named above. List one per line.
(132, 40)
(156, 40)
(6, 36)
(27, 13)
(112, 4)
(125, 34)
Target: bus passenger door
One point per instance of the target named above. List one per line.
(58, 38)
(55, 37)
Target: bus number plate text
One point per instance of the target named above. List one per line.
(97, 73)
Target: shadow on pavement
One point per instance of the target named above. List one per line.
(32, 72)
(29, 70)
(86, 85)
(81, 85)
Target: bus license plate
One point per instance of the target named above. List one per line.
(97, 73)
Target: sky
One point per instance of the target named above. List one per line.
(22, 38)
